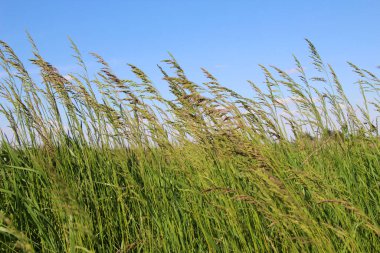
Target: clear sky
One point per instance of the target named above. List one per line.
(229, 38)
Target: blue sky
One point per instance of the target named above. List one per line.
(229, 38)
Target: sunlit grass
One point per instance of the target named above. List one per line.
(104, 164)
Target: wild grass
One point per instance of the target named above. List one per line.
(104, 164)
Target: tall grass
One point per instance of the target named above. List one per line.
(105, 164)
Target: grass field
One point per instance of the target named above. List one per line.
(97, 163)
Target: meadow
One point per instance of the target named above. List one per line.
(98, 163)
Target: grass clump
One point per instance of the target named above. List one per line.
(106, 164)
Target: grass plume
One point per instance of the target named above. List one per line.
(106, 164)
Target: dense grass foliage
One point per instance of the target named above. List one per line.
(97, 163)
